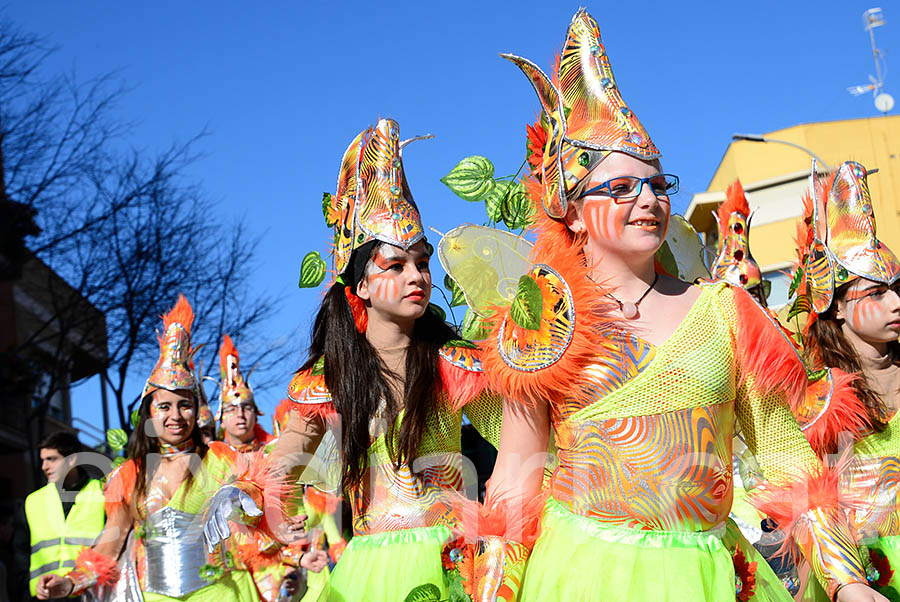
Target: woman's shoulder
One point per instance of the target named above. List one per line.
(120, 482)
(308, 386)
(462, 375)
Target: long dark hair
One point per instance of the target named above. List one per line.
(140, 444)
(359, 380)
(826, 346)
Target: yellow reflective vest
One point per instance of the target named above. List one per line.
(57, 539)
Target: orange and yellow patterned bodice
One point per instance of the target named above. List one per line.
(875, 479)
(646, 440)
(392, 498)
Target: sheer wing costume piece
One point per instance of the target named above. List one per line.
(165, 557)
(402, 516)
(638, 505)
(837, 245)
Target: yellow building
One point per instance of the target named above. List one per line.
(775, 176)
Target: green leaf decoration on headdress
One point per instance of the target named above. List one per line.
(528, 305)
(326, 204)
(312, 270)
(517, 209)
(801, 305)
(814, 375)
(116, 439)
(493, 203)
(472, 179)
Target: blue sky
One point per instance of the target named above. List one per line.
(284, 86)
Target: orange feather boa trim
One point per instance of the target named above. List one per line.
(765, 351)
(845, 413)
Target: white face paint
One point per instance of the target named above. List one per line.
(396, 284)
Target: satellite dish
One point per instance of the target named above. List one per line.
(884, 102)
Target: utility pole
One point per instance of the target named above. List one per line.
(884, 102)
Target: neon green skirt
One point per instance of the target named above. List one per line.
(577, 558)
(234, 586)
(385, 567)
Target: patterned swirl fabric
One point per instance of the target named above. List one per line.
(645, 437)
(646, 441)
(875, 475)
(392, 499)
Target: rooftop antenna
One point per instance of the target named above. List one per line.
(884, 102)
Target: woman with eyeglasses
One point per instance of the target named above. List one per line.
(643, 379)
(850, 288)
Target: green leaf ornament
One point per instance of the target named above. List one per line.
(312, 270)
(472, 179)
(528, 304)
(457, 297)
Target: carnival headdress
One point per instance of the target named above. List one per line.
(584, 117)
(173, 370)
(373, 201)
(842, 241)
(233, 388)
(734, 263)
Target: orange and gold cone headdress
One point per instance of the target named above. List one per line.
(173, 370)
(843, 243)
(373, 201)
(234, 388)
(584, 117)
(734, 263)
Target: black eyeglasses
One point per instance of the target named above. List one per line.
(625, 188)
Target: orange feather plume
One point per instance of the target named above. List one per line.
(735, 201)
(181, 313)
(227, 349)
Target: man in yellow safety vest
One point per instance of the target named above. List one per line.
(62, 525)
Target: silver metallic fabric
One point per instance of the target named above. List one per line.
(174, 553)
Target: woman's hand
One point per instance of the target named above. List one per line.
(858, 592)
(54, 586)
(314, 560)
(292, 530)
